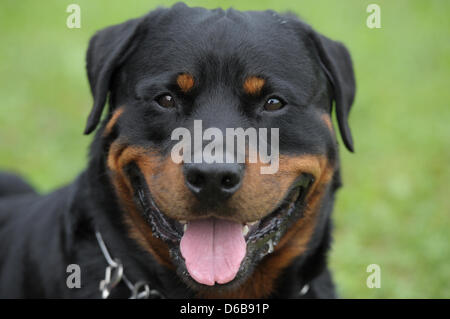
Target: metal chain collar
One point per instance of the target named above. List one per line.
(114, 274)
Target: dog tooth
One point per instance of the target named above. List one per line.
(252, 223)
(245, 230)
(270, 248)
(182, 222)
(184, 227)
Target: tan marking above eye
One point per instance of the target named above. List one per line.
(253, 85)
(185, 82)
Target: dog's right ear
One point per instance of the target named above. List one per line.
(107, 50)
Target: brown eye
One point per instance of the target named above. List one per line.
(273, 104)
(166, 101)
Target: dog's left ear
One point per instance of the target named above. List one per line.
(337, 64)
(107, 50)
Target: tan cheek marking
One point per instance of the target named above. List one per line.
(109, 126)
(168, 187)
(185, 82)
(261, 193)
(253, 85)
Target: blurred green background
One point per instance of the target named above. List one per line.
(394, 210)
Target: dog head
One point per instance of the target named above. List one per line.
(223, 226)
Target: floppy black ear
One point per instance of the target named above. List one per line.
(107, 49)
(337, 64)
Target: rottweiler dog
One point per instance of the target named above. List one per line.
(138, 224)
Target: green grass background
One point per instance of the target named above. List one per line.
(394, 208)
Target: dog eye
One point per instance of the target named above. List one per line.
(273, 104)
(166, 101)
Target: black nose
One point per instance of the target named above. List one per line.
(212, 183)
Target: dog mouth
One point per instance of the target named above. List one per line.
(214, 251)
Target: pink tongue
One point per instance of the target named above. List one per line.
(213, 250)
